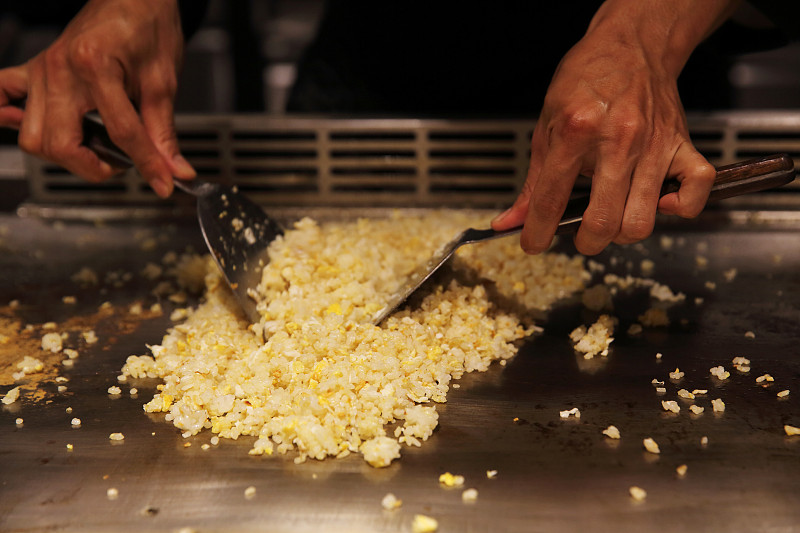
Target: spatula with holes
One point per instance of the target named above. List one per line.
(236, 230)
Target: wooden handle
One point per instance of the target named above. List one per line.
(732, 180)
(745, 177)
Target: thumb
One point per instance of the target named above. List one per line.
(696, 176)
(158, 119)
(13, 86)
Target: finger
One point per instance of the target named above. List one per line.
(515, 215)
(62, 141)
(696, 175)
(13, 86)
(31, 127)
(158, 118)
(603, 217)
(549, 197)
(639, 216)
(126, 130)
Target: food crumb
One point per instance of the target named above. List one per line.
(700, 392)
(11, 396)
(720, 373)
(61, 388)
(250, 492)
(742, 364)
(114, 390)
(659, 355)
(491, 474)
(89, 337)
(69, 300)
(765, 378)
(651, 446)
(469, 496)
(570, 412)
(391, 502)
(70, 447)
(681, 470)
(116, 436)
(696, 409)
(685, 394)
(612, 432)
(637, 493)
(749, 335)
(661, 390)
(450, 480)
(52, 342)
(19, 422)
(205, 446)
(783, 393)
(718, 405)
(677, 374)
(112, 493)
(670, 405)
(424, 524)
(791, 430)
(729, 274)
(704, 441)
(595, 339)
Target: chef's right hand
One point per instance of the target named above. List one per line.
(114, 56)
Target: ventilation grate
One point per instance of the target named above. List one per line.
(308, 161)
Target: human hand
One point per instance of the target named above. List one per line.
(612, 112)
(114, 56)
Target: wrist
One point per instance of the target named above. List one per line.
(663, 32)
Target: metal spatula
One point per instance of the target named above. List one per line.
(732, 180)
(236, 230)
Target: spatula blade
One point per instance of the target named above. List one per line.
(237, 232)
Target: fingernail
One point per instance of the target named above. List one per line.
(162, 188)
(183, 166)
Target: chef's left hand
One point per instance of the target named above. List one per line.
(613, 113)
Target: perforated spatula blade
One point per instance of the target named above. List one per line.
(236, 230)
(237, 233)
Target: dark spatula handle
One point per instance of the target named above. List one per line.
(95, 137)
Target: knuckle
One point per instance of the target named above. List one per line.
(629, 125)
(600, 225)
(58, 148)
(86, 55)
(704, 172)
(581, 121)
(636, 229)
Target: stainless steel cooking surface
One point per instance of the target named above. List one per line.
(553, 474)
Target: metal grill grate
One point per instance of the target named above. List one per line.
(299, 161)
